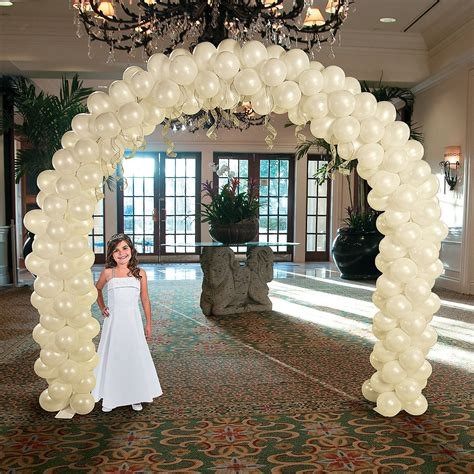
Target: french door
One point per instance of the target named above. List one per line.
(275, 174)
(157, 202)
(318, 208)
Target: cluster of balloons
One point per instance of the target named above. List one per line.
(274, 81)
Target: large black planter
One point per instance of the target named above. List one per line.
(236, 233)
(354, 253)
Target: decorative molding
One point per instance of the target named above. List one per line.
(461, 62)
(465, 30)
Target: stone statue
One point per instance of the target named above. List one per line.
(229, 287)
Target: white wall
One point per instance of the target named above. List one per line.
(442, 109)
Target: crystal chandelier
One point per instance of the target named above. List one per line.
(162, 25)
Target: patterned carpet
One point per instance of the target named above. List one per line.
(274, 392)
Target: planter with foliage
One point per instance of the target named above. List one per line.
(356, 244)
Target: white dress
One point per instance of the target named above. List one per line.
(126, 373)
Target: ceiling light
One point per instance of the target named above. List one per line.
(5, 4)
(388, 20)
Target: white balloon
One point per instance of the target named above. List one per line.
(371, 130)
(388, 404)
(403, 270)
(46, 181)
(404, 197)
(365, 105)
(341, 103)
(352, 85)
(226, 65)
(424, 253)
(396, 134)
(315, 106)
(429, 187)
(414, 150)
(397, 340)
(397, 306)
(310, 81)
(426, 212)
(416, 407)
(368, 392)
(435, 232)
(58, 230)
(90, 175)
(183, 70)
(36, 221)
(296, 61)
(275, 51)
(107, 125)
(247, 82)
(262, 103)
(120, 93)
(131, 115)
(346, 129)
(69, 139)
(80, 125)
(388, 286)
(379, 385)
(202, 55)
(253, 53)
(158, 65)
(386, 112)
(273, 72)
(390, 249)
(408, 234)
(370, 155)
(230, 45)
(129, 72)
(99, 102)
(64, 162)
(334, 78)
(207, 84)
(44, 247)
(321, 128)
(68, 186)
(395, 160)
(54, 206)
(74, 246)
(411, 359)
(142, 83)
(287, 95)
(413, 323)
(166, 94)
(392, 372)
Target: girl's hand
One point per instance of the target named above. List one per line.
(105, 312)
(148, 331)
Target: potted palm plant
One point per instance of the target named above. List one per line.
(356, 244)
(232, 214)
(41, 120)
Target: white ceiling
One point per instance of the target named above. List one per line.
(38, 38)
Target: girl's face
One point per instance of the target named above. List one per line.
(122, 253)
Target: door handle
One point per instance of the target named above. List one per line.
(155, 215)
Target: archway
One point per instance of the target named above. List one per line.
(275, 81)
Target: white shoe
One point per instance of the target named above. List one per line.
(137, 407)
(106, 409)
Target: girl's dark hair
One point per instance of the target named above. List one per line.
(133, 268)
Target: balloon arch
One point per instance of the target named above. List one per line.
(274, 81)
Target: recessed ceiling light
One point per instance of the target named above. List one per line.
(388, 20)
(5, 4)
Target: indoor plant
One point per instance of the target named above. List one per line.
(356, 244)
(232, 213)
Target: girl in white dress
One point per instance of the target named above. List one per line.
(126, 374)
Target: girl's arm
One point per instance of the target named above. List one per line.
(145, 302)
(104, 277)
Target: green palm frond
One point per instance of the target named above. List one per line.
(43, 119)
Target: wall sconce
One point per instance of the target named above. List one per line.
(450, 165)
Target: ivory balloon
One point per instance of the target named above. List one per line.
(65, 304)
(79, 319)
(85, 351)
(365, 105)
(64, 162)
(404, 197)
(417, 290)
(426, 212)
(388, 404)
(262, 103)
(141, 83)
(403, 270)
(85, 261)
(352, 85)
(70, 371)
(296, 61)
(429, 187)
(80, 283)
(346, 129)
(395, 160)
(48, 287)
(310, 81)
(44, 247)
(341, 103)
(371, 130)
(207, 84)
(37, 265)
(388, 286)
(391, 249)
(397, 340)
(395, 217)
(414, 150)
(368, 392)
(378, 202)
(80, 227)
(120, 93)
(90, 175)
(413, 323)
(49, 404)
(43, 305)
(68, 186)
(247, 82)
(397, 305)
(385, 183)
(36, 221)
(82, 403)
(408, 234)
(430, 306)
(287, 95)
(52, 356)
(89, 330)
(226, 65)
(85, 385)
(379, 385)
(202, 55)
(253, 53)
(382, 353)
(80, 125)
(321, 128)
(107, 125)
(376, 364)
(60, 391)
(275, 51)
(99, 102)
(416, 407)
(69, 139)
(383, 322)
(273, 72)
(392, 372)
(334, 78)
(52, 322)
(386, 112)
(411, 359)
(166, 94)
(424, 253)
(315, 106)
(158, 65)
(396, 134)
(46, 181)
(58, 230)
(42, 336)
(43, 371)
(91, 364)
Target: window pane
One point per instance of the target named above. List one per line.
(139, 227)
(128, 224)
(180, 225)
(321, 224)
(284, 168)
(169, 184)
(170, 206)
(312, 187)
(273, 208)
(169, 226)
(190, 187)
(263, 168)
(274, 168)
(190, 167)
(283, 205)
(180, 186)
(311, 243)
(180, 167)
(180, 205)
(283, 224)
(128, 206)
(321, 243)
(149, 225)
(149, 206)
(149, 187)
(283, 187)
(169, 167)
(138, 205)
(311, 224)
(311, 206)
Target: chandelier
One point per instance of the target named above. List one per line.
(162, 25)
(241, 119)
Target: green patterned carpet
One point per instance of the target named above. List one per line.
(274, 392)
